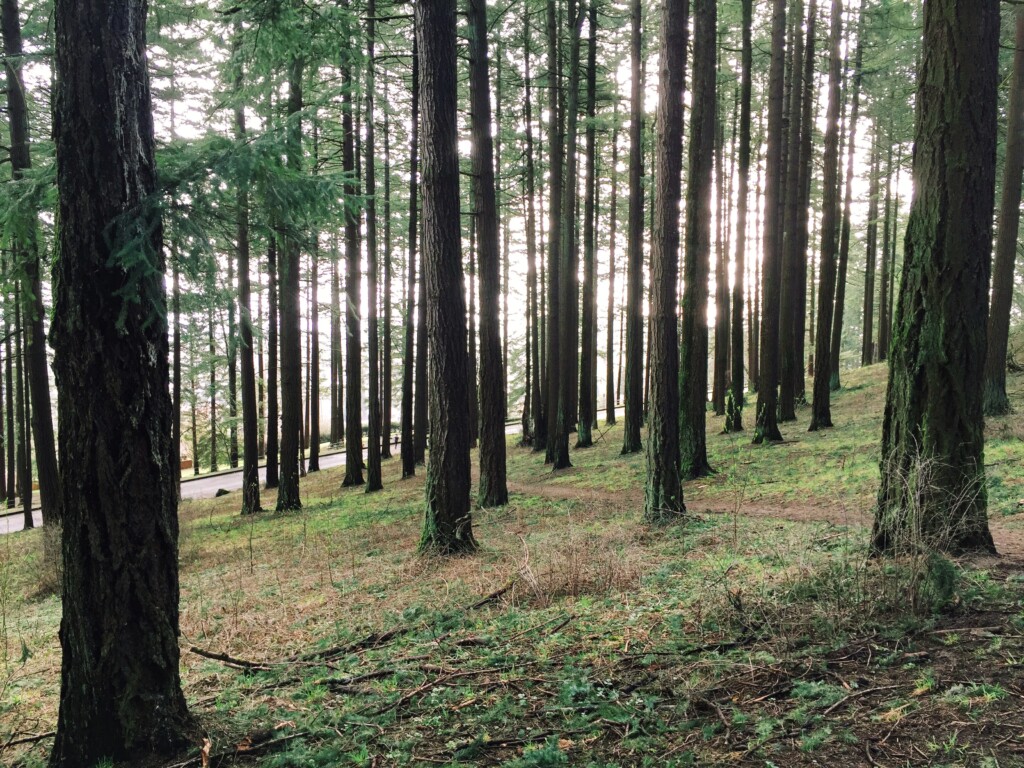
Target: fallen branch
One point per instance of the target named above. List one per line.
(491, 597)
(13, 742)
(230, 660)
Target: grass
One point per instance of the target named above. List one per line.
(754, 633)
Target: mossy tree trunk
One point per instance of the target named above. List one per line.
(121, 695)
(933, 473)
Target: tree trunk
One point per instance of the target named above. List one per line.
(767, 391)
(492, 489)
(386, 367)
(735, 399)
(250, 444)
(720, 362)
(933, 475)
(867, 354)
(821, 411)
(663, 500)
(273, 426)
(588, 357)
(121, 695)
(231, 348)
(883, 292)
(353, 297)
(408, 449)
(844, 239)
(634, 365)
(291, 350)
(694, 352)
(373, 458)
(534, 367)
(791, 366)
(448, 525)
(609, 371)
(555, 170)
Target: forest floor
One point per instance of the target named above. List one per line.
(754, 632)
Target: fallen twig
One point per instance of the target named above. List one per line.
(229, 660)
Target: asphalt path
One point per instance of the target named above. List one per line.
(206, 486)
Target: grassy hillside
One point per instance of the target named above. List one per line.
(755, 632)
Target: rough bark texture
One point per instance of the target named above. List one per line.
(634, 364)
(735, 396)
(290, 288)
(120, 688)
(492, 489)
(32, 289)
(933, 469)
(663, 499)
(694, 353)
(353, 298)
(821, 411)
(767, 390)
(995, 401)
(448, 527)
(555, 169)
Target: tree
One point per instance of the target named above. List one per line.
(408, 448)
(27, 247)
(121, 695)
(735, 398)
(273, 469)
(291, 352)
(821, 412)
(353, 294)
(373, 459)
(663, 500)
(448, 527)
(697, 267)
(634, 400)
(995, 401)
(933, 473)
(493, 491)
(250, 445)
(768, 366)
(556, 157)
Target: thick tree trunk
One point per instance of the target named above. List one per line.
(933, 470)
(554, 261)
(735, 398)
(448, 525)
(767, 428)
(291, 350)
(26, 246)
(121, 693)
(821, 411)
(492, 489)
(634, 365)
(386, 366)
(694, 352)
(663, 500)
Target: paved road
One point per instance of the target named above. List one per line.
(206, 486)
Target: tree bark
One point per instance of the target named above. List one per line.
(767, 428)
(933, 469)
(609, 371)
(867, 352)
(273, 425)
(694, 352)
(663, 500)
(408, 449)
(821, 411)
(634, 364)
(121, 695)
(448, 527)
(353, 295)
(492, 488)
(373, 458)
